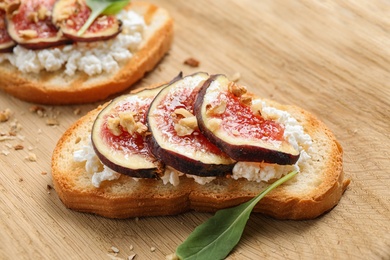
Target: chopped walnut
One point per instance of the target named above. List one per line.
(217, 109)
(28, 33)
(32, 17)
(191, 62)
(183, 112)
(130, 122)
(113, 124)
(187, 124)
(236, 89)
(5, 115)
(246, 100)
(43, 12)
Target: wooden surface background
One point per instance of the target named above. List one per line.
(330, 57)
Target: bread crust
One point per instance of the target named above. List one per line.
(56, 88)
(314, 191)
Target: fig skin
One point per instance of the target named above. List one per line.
(178, 161)
(70, 29)
(7, 43)
(136, 165)
(242, 152)
(188, 165)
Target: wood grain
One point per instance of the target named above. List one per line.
(330, 57)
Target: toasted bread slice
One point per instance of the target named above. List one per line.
(58, 88)
(315, 190)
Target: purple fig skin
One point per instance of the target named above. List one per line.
(152, 173)
(178, 161)
(188, 165)
(7, 47)
(88, 37)
(238, 152)
(44, 44)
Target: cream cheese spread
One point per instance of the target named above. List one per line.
(92, 58)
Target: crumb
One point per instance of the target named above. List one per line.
(5, 152)
(131, 257)
(131, 247)
(172, 257)
(191, 62)
(114, 249)
(18, 147)
(77, 111)
(52, 122)
(40, 111)
(5, 115)
(6, 137)
(43, 173)
(31, 157)
(152, 249)
(20, 179)
(15, 127)
(114, 257)
(49, 188)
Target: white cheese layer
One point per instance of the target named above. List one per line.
(293, 133)
(252, 171)
(92, 58)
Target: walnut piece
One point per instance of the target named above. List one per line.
(187, 124)
(236, 89)
(216, 109)
(5, 115)
(113, 125)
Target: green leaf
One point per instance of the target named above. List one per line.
(215, 238)
(98, 7)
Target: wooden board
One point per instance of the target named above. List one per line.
(330, 57)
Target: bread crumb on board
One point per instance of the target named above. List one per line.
(32, 157)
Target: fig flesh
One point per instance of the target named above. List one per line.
(71, 15)
(30, 25)
(119, 136)
(175, 138)
(225, 117)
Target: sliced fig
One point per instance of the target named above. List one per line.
(175, 138)
(226, 119)
(71, 15)
(6, 42)
(30, 25)
(119, 136)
